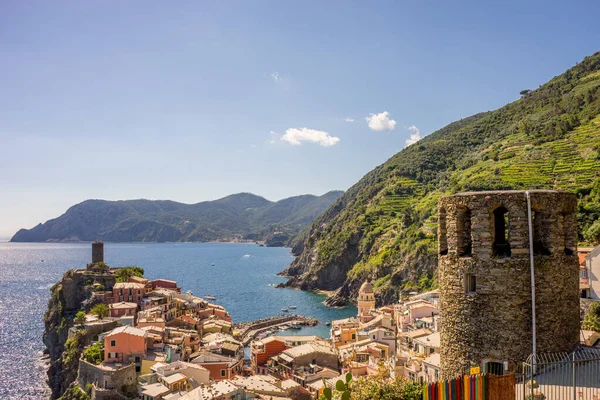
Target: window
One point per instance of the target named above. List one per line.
(113, 343)
(541, 233)
(353, 336)
(494, 368)
(463, 232)
(222, 373)
(470, 283)
(443, 239)
(583, 273)
(501, 233)
(139, 292)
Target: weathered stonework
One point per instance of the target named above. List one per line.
(484, 277)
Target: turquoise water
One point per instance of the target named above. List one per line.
(239, 279)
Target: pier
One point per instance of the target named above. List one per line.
(249, 330)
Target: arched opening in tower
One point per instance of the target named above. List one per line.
(463, 232)
(501, 232)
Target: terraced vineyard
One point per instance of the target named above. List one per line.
(384, 227)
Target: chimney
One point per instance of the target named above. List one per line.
(97, 252)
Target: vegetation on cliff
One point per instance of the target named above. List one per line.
(384, 227)
(242, 215)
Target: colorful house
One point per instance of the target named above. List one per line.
(125, 344)
(220, 367)
(262, 350)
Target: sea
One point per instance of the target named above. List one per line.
(240, 276)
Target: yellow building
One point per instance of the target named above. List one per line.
(366, 302)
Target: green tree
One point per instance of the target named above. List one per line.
(123, 274)
(100, 310)
(79, 318)
(379, 386)
(93, 354)
(592, 234)
(592, 318)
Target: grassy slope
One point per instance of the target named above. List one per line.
(384, 227)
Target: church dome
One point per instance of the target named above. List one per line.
(366, 288)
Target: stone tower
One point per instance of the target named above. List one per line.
(97, 252)
(366, 302)
(485, 281)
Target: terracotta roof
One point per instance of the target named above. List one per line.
(130, 330)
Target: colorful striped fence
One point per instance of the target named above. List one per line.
(472, 387)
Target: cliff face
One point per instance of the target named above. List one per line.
(384, 228)
(66, 299)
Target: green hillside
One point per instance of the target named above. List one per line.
(240, 215)
(384, 227)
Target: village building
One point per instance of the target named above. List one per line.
(125, 344)
(130, 292)
(589, 273)
(294, 360)
(122, 309)
(221, 367)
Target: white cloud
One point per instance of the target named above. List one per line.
(349, 119)
(276, 77)
(415, 136)
(295, 136)
(381, 122)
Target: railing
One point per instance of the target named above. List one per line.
(561, 376)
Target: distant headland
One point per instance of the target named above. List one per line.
(242, 217)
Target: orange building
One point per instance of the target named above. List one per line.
(262, 350)
(220, 367)
(125, 344)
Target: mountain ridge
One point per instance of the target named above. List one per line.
(384, 227)
(242, 215)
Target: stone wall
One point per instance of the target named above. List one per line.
(122, 379)
(485, 292)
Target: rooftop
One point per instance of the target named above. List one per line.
(154, 389)
(122, 305)
(128, 330)
(433, 359)
(128, 285)
(177, 377)
(308, 348)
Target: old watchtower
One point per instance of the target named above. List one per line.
(485, 281)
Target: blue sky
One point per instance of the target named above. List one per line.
(194, 100)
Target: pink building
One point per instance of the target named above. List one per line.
(125, 344)
(131, 292)
(165, 284)
(122, 309)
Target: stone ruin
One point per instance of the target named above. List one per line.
(485, 282)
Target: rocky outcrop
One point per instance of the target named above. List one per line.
(67, 297)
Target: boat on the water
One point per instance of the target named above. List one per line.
(328, 323)
(284, 327)
(295, 325)
(212, 265)
(285, 309)
(292, 307)
(210, 297)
